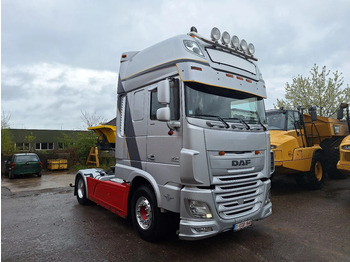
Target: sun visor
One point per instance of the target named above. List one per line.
(200, 73)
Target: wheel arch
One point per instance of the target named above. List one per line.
(84, 173)
(138, 177)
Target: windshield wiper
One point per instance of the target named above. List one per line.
(245, 123)
(264, 127)
(240, 120)
(218, 117)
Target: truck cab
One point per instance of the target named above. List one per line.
(191, 137)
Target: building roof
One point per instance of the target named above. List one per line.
(42, 135)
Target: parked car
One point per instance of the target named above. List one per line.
(23, 164)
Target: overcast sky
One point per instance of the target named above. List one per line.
(61, 57)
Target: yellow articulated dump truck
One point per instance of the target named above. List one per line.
(304, 144)
(106, 135)
(344, 148)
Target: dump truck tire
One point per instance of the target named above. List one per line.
(331, 150)
(315, 177)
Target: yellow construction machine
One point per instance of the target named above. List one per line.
(304, 144)
(344, 148)
(106, 142)
(106, 135)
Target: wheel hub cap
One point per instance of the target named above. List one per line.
(143, 213)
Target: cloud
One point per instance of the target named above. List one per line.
(60, 57)
(52, 95)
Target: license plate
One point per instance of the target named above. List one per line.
(242, 225)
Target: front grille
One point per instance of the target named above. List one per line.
(237, 195)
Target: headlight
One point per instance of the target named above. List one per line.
(336, 129)
(193, 47)
(198, 209)
(346, 147)
(273, 147)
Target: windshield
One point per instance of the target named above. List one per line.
(214, 102)
(283, 120)
(26, 158)
(276, 120)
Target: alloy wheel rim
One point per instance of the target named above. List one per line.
(144, 214)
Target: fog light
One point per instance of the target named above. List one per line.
(203, 229)
(198, 209)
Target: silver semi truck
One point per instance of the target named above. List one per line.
(192, 140)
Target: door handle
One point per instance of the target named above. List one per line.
(151, 157)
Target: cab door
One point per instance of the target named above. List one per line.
(163, 147)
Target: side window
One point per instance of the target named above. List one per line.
(138, 105)
(291, 120)
(154, 105)
(122, 115)
(174, 103)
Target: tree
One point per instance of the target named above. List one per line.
(91, 119)
(319, 89)
(30, 139)
(7, 145)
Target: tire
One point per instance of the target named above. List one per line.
(81, 191)
(315, 177)
(146, 216)
(332, 155)
(11, 175)
(39, 174)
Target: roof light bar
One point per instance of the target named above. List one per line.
(234, 44)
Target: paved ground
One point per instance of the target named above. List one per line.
(42, 221)
(49, 180)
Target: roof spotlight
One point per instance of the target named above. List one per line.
(225, 38)
(193, 29)
(235, 42)
(215, 34)
(251, 49)
(244, 45)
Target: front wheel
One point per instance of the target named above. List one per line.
(316, 175)
(146, 216)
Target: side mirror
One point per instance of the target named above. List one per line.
(297, 124)
(313, 113)
(340, 113)
(163, 89)
(163, 114)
